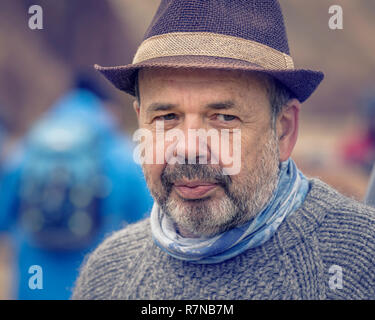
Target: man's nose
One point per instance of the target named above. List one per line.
(196, 147)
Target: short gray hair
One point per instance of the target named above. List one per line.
(278, 95)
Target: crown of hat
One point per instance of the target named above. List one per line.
(257, 20)
(247, 35)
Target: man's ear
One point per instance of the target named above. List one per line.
(287, 128)
(136, 108)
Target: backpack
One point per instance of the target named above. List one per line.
(61, 186)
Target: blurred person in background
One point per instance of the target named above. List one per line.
(3, 135)
(37, 67)
(359, 149)
(71, 181)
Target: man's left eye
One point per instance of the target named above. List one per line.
(226, 117)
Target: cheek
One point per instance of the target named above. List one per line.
(250, 146)
(251, 152)
(152, 173)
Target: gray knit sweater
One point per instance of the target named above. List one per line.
(328, 234)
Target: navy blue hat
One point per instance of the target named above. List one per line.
(246, 35)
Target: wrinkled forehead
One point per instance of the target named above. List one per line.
(237, 83)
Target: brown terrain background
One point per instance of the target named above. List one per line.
(37, 66)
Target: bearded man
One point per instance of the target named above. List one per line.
(264, 232)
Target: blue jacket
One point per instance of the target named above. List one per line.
(126, 201)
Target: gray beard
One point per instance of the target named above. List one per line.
(241, 203)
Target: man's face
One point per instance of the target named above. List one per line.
(200, 199)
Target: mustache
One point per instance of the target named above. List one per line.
(209, 173)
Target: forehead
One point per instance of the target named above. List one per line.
(237, 85)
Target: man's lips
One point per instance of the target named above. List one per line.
(194, 189)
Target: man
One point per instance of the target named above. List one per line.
(263, 232)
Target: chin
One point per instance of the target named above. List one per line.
(201, 217)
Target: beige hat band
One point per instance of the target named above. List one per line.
(213, 45)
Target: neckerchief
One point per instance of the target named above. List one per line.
(291, 190)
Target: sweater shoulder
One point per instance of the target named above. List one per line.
(335, 210)
(131, 237)
(346, 237)
(347, 216)
(103, 267)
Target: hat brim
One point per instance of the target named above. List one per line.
(302, 83)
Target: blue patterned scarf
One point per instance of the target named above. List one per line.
(291, 191)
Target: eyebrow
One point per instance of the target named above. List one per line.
(157, 106)
(154, 107)
(221, 105)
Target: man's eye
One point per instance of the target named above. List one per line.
(226, 117)
(169, 116)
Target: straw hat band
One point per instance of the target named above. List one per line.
(213, 45)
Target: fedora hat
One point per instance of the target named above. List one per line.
(247, 35)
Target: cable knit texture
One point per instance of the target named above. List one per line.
(329, 229)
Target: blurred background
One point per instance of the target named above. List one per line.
(50, 96)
